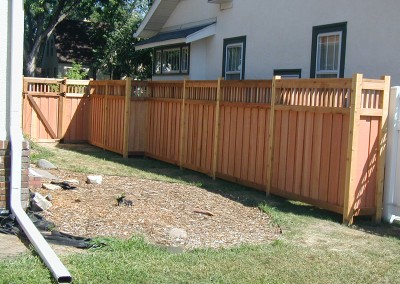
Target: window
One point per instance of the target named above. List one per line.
(328, 51)
(171, 60)
(288, 73)
(234, 58)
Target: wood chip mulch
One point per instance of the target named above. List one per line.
(209, 220)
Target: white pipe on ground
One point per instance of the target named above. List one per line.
(48, 256)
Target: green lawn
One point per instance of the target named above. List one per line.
(314, 246)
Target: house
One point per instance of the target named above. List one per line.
(257, 39)
(71, 42)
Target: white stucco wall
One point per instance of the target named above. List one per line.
(4, 48)
(279, 34)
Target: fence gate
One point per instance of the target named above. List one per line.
(55, 109)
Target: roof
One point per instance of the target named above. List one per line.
(156, 18)
(181, 35)
(73, 42)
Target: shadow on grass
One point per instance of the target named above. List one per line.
(242, 194)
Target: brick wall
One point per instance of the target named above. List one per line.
(5, 173)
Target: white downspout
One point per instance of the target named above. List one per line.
(48, 256)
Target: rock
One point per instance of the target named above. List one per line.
(39, 203)
(49, 197)
(94, 179)
(44, 164)
(42, 174)
(74, 181)
(51, 186)
(177, 233)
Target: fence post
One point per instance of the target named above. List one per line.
(271, 135)
(216, 129)
(63, 92)
(24, 91)
(147, 121)
(105, 116)
(88, 93)
(351, 167)
(128, 91)
(183, 126)
(382, 140)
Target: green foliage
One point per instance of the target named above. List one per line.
(76, 72)
(117, 24)
(117, 20)
(39, 152)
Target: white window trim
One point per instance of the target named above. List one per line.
(328, 72)
(162, 51)
(185, 69)
(239, 44)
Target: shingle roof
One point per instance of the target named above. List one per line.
(163, 36)
(73, 42)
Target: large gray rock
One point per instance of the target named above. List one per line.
(40, 203)
(44, 164)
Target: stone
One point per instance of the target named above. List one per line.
(93, 179)
(50, 186)
(49, 197)
(46, 165)
(73, 181)
(42, 174)
(40, 203)
(177, 233)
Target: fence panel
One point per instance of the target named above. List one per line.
(96, 127)
(310, 135)
(199, 125)
(244, 128)
(107, 114)
(164, 120)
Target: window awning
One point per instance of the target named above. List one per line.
(178, 36)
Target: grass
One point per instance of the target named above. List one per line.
(314, 246)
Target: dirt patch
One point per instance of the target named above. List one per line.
(12, 246)
(209, 219)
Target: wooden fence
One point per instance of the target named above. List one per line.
(320, 141)
(55, 109)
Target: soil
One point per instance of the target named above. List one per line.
(203, 219)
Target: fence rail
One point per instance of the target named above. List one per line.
(321, 141)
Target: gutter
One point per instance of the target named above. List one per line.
(44, 250)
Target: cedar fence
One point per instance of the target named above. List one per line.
(320, 141)
(55, 109)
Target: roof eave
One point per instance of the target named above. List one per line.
(156, 18)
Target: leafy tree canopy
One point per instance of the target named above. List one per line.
(118, 20)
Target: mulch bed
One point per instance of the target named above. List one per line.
(209, 219)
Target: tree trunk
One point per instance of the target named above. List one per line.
(31, 61)
(40, 39)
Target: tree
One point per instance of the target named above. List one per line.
(118, 24)
(41, 17)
